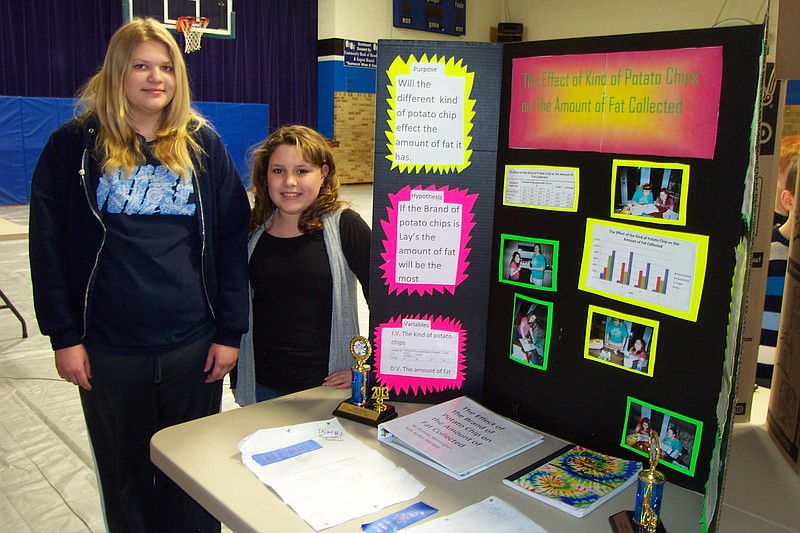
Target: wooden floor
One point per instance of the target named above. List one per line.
(47, 480)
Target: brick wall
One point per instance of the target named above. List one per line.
(354, 130)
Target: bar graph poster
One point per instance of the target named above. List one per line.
(656, 269)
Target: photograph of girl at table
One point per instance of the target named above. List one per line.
(637, 355)
(529, 342)
(528, 262)
(306, 251)
(514, 266)
(666, 205)
(616, 334)
(620, 341)
(643, 195)
(649, 190)
(676, 434)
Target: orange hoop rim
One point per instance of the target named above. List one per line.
(185, 24)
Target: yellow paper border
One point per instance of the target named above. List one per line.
(698, 276)
(399, 67)
(681, 221)
(651, 360)
(572, 209)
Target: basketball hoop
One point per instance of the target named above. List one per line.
(192, 30)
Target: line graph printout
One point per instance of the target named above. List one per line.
(656, 269)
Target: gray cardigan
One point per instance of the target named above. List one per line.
(344, 315)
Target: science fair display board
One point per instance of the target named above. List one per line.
(433, 202)
(560, 230)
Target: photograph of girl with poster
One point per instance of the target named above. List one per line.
(528, 262)
(652, 192)
(621, 340)
(678, 435)
(530, 332)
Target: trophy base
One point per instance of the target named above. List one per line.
(364, 414)
(622, 522)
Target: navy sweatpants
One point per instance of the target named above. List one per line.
(132, 398)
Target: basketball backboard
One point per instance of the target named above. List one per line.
(220, 14)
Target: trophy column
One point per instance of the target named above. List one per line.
(361, 407)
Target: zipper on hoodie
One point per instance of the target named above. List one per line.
(84, 185)
(199, 195)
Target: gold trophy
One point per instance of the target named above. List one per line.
(361, 351)
(360, 407)
(649, 491)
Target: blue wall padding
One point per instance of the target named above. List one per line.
(326, 73)
(241, 126)
(26, 124)
(334, 77)
(354, 79)
(793, 92)
(12, 177)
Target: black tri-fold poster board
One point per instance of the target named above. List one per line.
(438, 111)
(560, 231)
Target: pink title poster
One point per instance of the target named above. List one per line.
(661, 102)
(427, 232)
(420, 354)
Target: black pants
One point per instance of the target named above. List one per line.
(132, 398)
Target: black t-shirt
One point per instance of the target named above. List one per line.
(292, 300)
(147, 294)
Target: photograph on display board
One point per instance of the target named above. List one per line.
(528, 262)
(678, 435)
(621, 340)
(650, 192)
(530, 332)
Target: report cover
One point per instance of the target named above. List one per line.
(575, 479)
(459, 437)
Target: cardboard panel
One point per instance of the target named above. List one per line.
(694, 315)
(423, 267)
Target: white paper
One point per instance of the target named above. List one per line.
(539, 186)
(643, 209)
(348, 471)
(322, 485)
(648, 268)
(336, 446)
(459, 437)
(429, 115)
(354, 501)
(492, 515)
